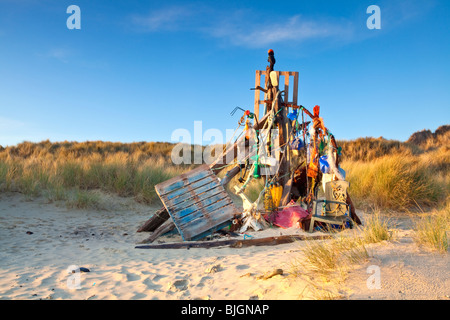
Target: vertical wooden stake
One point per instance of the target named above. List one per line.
(257, 93)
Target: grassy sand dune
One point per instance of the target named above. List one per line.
(70, 170)
(399, 175)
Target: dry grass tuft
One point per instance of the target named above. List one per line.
(433, 230)
(331, 260)
(376, 228)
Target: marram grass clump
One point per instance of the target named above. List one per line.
(334, 258)
(331, 259)
(375, 228)
(433, 230)
(399, 182)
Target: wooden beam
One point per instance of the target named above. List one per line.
(257, 92)
(295, 95)
(286, 87)
(155, 221)
(236, 243)
(167, 226)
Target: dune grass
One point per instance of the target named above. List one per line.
(400, 181)
(375, 228)
(433, 230)
(399, 175)
(329, 260)
(328, 256)
(83, 199)
(70, 171)
(332, 259)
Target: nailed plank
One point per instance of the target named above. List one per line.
(208, 180)
(211, 213)
(211, 231)
(196, 199)
(211, 222)
(180, 181)
(287, 84)
(187, 196)
(205, 209)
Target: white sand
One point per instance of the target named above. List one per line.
(34, 266)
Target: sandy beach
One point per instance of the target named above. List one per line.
(41, 243)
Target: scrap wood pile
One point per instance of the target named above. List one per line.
(289, 148)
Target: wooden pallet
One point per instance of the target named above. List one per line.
(287, 85)
(197, 203)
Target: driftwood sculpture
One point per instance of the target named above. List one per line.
(280, 148)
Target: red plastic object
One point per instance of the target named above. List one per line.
(289, 216)
(316, 111)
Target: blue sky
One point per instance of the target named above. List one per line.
(138, 70)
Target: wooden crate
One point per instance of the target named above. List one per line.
(197, 203)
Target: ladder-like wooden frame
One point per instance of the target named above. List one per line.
(287, 75)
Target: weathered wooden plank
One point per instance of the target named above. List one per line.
(196, 199)
(180, 181)
(230, 175)
(236, 243)
(257, 93)
(181, 195)
(211, 231)
(205, 224)
(216, 208)
(295, 95)
(149, 223)
(200, 219)
(286, 86)
(190, 191)
(155, 221)
(177, 187)
(206, 206)
(167, 226)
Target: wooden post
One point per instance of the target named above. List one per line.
(295, 93)
(257, 93)
(286, 86)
